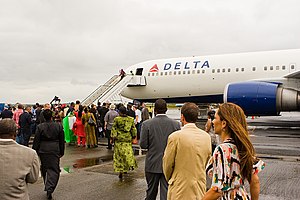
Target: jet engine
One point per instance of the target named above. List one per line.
(262, 98)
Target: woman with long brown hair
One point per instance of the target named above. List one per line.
(234, 161)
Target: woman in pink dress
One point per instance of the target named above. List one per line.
(78, 128)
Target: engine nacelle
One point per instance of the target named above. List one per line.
(262, 98)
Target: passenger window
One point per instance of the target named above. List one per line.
(179, 72)
(148, 74)
(166, 73)
(218, 70)
(198, 71)
(161, 73)
(213, 71)
(292, 66)
(193, 72)
(243, 69)
(170, 73)
(253, 68)
(203, 71)
(283, 67)
(223, 70)
(237, 69)
(188, 72)
(265, 68)
(277, 67)
(174, 72)
(153, 74)
(183, 72)
(271, 67)
(229, 69)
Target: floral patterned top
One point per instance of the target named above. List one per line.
(224, 169)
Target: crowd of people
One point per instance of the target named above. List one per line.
(83, 126)
(179, 156)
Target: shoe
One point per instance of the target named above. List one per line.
(49, 195)
(108, 148)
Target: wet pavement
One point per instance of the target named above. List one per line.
(79, 157)
(88, 173)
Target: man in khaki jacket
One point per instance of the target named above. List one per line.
(19, 165)
(186, 156)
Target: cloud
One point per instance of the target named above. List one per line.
(79, 82)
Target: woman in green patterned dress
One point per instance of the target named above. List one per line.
(122, 133)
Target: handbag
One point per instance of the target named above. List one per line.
(91, 121)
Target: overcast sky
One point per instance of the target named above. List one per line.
(68, 48)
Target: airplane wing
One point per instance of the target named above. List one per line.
(293, 75)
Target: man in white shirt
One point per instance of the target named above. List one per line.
(137, 120)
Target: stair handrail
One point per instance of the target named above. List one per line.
(116, 82)
(108, 83)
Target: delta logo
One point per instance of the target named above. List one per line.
(154, 68)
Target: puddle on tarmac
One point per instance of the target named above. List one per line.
(85, 162)
(88, 162)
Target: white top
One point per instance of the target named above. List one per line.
(138, 113)
(72, 120)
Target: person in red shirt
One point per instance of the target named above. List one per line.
(16, 118)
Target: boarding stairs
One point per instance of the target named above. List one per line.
(111, 90)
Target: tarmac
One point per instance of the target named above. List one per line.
(88, 173)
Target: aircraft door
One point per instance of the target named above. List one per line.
(139, 71)
(138, 79)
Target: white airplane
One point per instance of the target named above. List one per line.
(262, 83)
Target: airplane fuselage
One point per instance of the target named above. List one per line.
(203, 78)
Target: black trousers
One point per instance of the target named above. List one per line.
(50, 170)
(25, 133)
(153, 180)
(97, 134)
(108, 133)
(138, 130)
